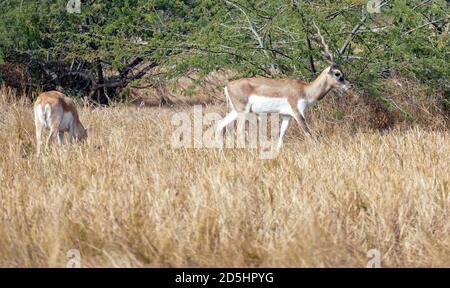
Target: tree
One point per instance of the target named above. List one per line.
(100, 50)
(262, 37)
(111, 44)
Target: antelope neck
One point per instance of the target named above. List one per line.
(317, 89)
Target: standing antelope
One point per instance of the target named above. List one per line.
(288, 97)
(57, 112)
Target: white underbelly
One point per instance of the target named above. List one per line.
(264, 104)
(66, 121)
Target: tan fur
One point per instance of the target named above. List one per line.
(59, 105)
(292, 89)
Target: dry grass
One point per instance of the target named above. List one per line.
(126, 198)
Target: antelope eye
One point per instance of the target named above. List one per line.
(337, 74)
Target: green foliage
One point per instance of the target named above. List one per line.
(339, 114)
(252, 37)
(113, 31)
(393, 40)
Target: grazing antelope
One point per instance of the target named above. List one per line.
(288, 97)
(57, 112)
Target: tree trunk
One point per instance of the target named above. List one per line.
(102, 93)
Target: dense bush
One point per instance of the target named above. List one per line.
(111, 44)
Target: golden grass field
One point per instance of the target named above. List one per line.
(126, 198)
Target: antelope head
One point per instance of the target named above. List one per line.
(336, 78)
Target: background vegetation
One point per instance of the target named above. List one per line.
(375, 178)
(108, 45)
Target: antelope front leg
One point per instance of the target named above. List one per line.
(301, 121)
(60, 138)
(306, 127)
(71, 135)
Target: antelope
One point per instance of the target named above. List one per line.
(57, 112)
(287, 97)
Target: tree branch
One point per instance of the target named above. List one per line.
(354, 31)
(250, 24)
(259, 39)
(136, 60)
(426, 24)
(358, 26)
